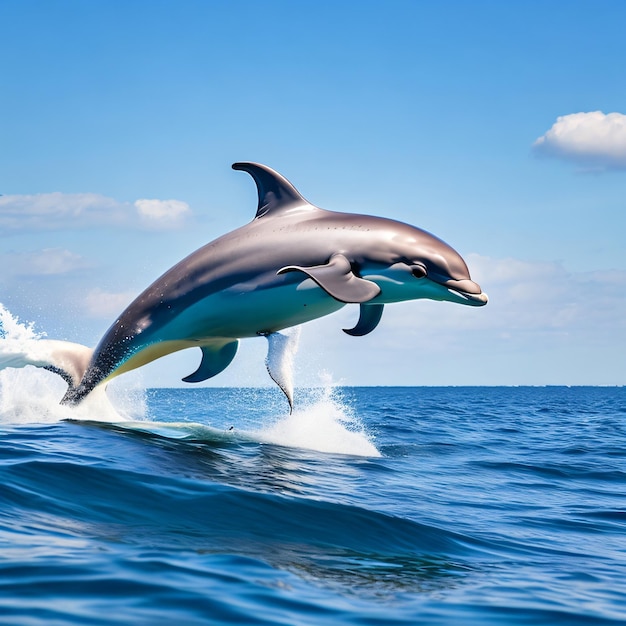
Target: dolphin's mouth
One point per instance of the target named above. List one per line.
(468, 291)
(473, 299)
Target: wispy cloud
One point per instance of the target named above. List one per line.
(162, 212)
(537, 297)
(537, 312)
(106, 304)
(61, 211)
(545, 296)
(47, 262)
(594, 140)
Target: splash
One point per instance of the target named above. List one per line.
(324, 423)
(12, 328)
(31, 395)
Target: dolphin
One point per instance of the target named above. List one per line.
(292, 264)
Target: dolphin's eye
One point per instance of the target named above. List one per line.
(418, 270)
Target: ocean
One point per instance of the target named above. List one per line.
(366, 506)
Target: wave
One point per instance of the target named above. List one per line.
(219, 513)
(84, 506)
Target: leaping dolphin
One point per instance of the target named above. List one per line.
(293, 263)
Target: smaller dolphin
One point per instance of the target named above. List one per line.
(293, 263)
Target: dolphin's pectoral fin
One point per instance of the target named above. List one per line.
(369, 316)
(338, 280)
(215, 359)
(279, 361)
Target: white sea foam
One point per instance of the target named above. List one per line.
(12, 328)
(32, 395)
(324, 423)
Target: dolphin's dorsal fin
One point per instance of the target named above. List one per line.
(275, 191)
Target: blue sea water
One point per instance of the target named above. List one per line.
(366, 506)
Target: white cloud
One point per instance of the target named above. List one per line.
(47, 262)
(53, 211)
(61, 211)
(162, 211)
(107, 304)
(594, 140)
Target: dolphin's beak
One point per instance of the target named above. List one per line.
(473, 299)
(468, 290)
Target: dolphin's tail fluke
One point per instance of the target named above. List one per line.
(68, 360)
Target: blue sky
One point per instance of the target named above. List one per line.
(498, 126)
